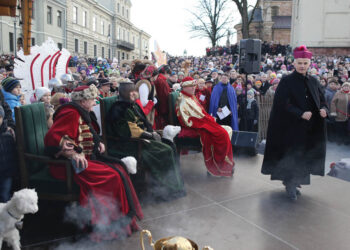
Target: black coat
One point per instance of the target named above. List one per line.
(295, 147)
(8, 153)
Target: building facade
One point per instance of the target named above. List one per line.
(327, 30)
(48, 21)
(89, 28)
(271, 22)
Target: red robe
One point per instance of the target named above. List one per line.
(205, 100)
(216, 143)
(103, 190)
(163, 90)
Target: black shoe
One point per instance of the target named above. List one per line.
(291, 192)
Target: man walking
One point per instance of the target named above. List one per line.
(296, 136)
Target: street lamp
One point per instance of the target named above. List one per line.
(15, 34)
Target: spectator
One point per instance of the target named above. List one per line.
(11, 89)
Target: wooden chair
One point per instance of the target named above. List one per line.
(31, 128)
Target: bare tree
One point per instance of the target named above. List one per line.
(210, 20)
(242, 6)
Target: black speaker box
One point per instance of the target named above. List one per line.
(249, 56)
(245, 141)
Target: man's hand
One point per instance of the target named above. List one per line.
(156, 136)
(80, 160)
(12, 132)
(323, 113)
(219, 110)
(307, 115)
(101, 148)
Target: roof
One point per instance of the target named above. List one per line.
(282, 22)
(257, 15)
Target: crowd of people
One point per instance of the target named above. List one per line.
(214, 99)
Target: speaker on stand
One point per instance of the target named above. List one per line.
(249, 63)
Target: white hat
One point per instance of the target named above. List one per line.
(40, 92)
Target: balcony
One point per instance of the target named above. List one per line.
(125, 45)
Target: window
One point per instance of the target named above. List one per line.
(128, 36)
(33, 41)
(59, 18)
(127, 56)
(109, 53)
(75, 14)
(119, 33)
(102, 27)
(94, 23)
(84, 18)
(133, 40)
(49, 15)
(76, 45)
(11, 41)
(123, 11)
(118, 7)
(274, 11)
(127, 14)
(95, 50)
(109, 29)
(59, 45)
(103, 52)
(85, 48)
(119, 56)
(33, 16)
(123, 35)
(123, 56)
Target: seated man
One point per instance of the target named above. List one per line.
(127, 120)
(105, 188)
(215, 139)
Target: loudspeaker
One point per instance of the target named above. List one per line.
(245, 141)
(249, 56)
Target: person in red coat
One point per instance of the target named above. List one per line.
(215, 139)
(203, 94)
(163, 90)
(106, 191)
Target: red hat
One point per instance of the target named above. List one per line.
(302, 52)
(188, 82)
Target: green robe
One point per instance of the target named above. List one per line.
(126, 120)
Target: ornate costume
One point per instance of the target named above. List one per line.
(217, 148)
(105, 188)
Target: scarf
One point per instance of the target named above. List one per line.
(249, 104)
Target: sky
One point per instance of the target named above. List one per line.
(167, 22)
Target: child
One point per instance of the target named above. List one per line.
(7, 158)
(43, 94)
(203, 94)
(252, 112)
(11, 89)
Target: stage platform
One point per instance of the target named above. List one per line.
(247, 211)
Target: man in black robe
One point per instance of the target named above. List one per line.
(296, 136)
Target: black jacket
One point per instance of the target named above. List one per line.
(8, 153)
(296, 147)
(253, 112)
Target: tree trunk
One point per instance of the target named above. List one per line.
(245, 21)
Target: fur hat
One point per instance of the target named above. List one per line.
(149, 72)
(84, 93)
(345, 84)
(59, 99)
(9, 83)
(40, 92)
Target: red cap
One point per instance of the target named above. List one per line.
(302, 52)
(187, 78)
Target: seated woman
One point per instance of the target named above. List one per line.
(105, 188)
(127, 120)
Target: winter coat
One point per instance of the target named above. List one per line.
(253, 112)
(8, 112)
(12, 100)
(8, 153)
(329, 94)
(339, 106)
(296, 148)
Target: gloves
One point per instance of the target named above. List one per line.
(156, 136)
(155, 101)
(255, 122)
